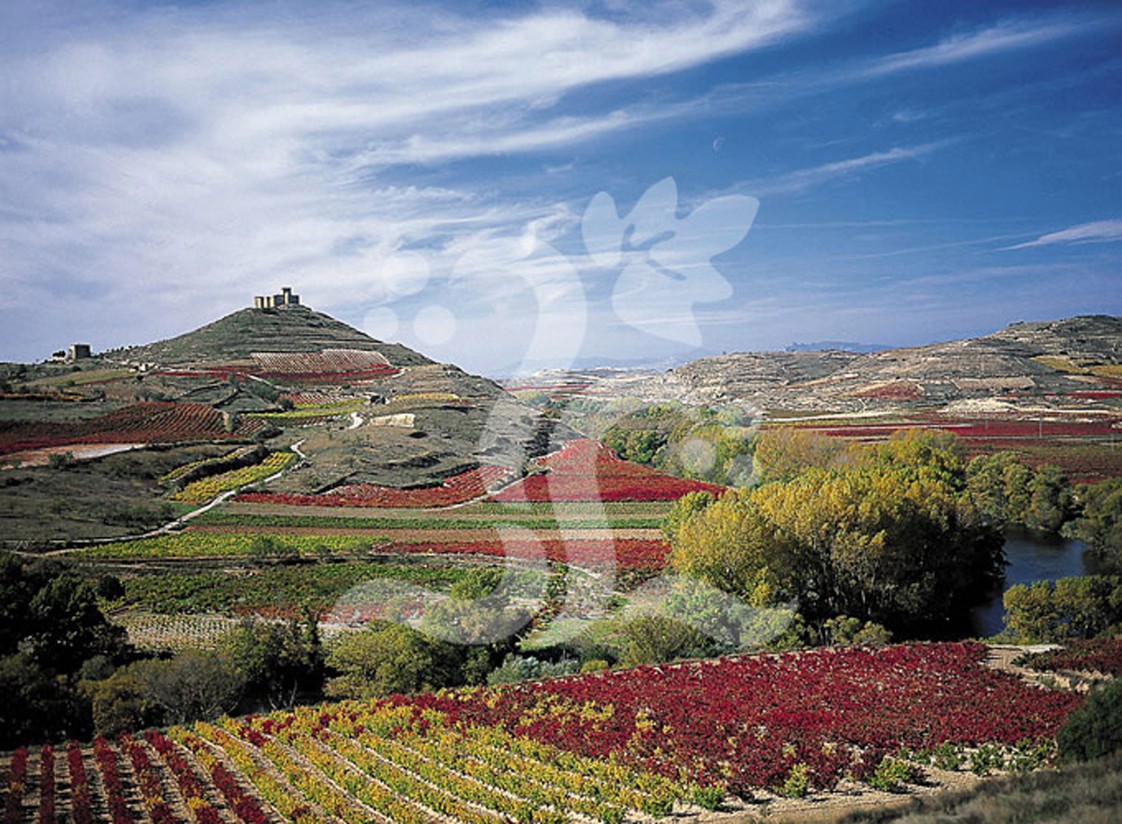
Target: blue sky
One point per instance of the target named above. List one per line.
(510, 185)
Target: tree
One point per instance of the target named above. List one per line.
(1095, 729)
(120, 702)
(1100, 521)
(54, 615)
(1006, 492)
(276, 662)
(729, 622)
(386, 658)
(1079, 607)
(192, 686)
(1030, 612)
(51, 634)
(888, 536)
(782, 454)
(478, 613)
(38, 705)
(729, 544)
(1050, 499)
(655, 639)
(683, 509)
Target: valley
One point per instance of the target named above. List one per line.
(390, 528)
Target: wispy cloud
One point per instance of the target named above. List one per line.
(1006, 36)
(804, 179)
(1099, 231)
(162, 152)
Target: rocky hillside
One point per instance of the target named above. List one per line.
(1076, 359)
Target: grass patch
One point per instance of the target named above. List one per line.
(306, 412)
(1087, 793)
(82, 378)
(111, 496)
(218, 518)
(317, 587)
(217, 545)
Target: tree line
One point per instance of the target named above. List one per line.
(903, 536)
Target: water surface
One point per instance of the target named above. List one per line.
(1032, 556)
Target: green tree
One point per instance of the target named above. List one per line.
(1078, 607)
(1095, 729)
(193, 686)
(1030, 612)
(478, 613)
(120, 702)
(37, 704)
(386, 658)
(732, 546)
(51, 633)
(276, 662)
(1050, 499)
(54, 616)
(728, 621)
(1006, 492)
(1100, 521)
(683, 509)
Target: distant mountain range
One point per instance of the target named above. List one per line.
(840, 345)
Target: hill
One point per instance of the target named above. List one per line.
(363, 414)
(286, 329)
(1025, 364)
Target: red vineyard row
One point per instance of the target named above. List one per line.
(585, 470)
(172, 784)
(456, 489)
(154, 422)
(1096, 655)
(595, 554)
(985, 428)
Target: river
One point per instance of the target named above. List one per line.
(1032, 556)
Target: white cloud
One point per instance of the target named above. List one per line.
(803, 179)
(170, 152)
(1099, 231)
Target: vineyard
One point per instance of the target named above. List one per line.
(205, 489)
(329, 361)
(586, 470)
(1088, 450)
(206, 464)
(216, 545)
(465, 486)
(277, 591)
(627, 745)
(154, 423)
(598, 555)
(1102, 655)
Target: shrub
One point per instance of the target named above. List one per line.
(891, 775)
(1095, 729)
(709, 798)
(656, 639)
(797, 783)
